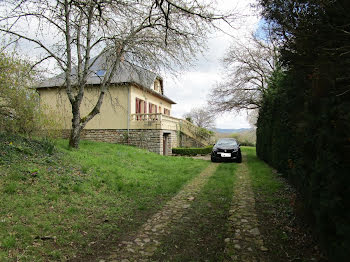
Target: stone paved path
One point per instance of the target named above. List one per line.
(244, 242)
(142, 245)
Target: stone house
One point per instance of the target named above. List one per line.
(135, 110)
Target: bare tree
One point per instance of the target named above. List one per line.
(247, 70)
(157, 34)
(201, 117)
(252, 117)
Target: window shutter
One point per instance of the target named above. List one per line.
(155, 109)
(137, 106)
(150, 108)
(145, 107)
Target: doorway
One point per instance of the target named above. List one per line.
(165, 144)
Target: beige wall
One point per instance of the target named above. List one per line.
(56, 100)
(113, 113)
(146, 96)
(114, 108)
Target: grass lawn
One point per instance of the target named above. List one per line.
(280, 213)
(262, 175)
(61, 204)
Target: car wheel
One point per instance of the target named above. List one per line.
(213, 159)
(239, 158)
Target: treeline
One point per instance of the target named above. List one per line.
(304, 122)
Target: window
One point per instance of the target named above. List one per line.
(156, 86)
(141, 106)
(152, 109)
(138, 106)
(101, 72)
(166, 112)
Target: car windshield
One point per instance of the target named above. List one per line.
(226, 142)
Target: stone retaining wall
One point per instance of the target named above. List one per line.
(186, 141)
(150, 139)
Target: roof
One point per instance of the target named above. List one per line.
(126, 73)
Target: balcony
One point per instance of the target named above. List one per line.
(153, 121)
(161, 121)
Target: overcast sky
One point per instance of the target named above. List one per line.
(191, 89)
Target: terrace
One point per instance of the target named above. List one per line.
(166, 122)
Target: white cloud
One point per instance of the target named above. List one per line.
(189, 90)
(232, 120)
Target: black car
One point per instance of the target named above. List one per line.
(226, 149)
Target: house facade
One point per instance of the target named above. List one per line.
(135, 110)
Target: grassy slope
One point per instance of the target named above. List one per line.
(69, 203)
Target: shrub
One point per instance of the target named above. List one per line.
(192, 151)
(19, 103)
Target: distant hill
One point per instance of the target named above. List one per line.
(231, 131)
(245, 136)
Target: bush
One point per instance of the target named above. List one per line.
(192, 151)
(19, 103)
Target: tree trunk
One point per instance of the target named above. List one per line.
(74, 138)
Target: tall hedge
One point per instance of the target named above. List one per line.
(307, 138)
(192, 151)
(304, 122)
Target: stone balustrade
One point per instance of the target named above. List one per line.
(166, 122)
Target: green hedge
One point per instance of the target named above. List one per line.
(192, 151)
(304, 121)
(306, 137)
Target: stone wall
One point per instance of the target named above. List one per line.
(186, 141)
(150, 139)
(172, 140)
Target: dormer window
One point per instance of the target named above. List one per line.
(157, 86)
(101, 72)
